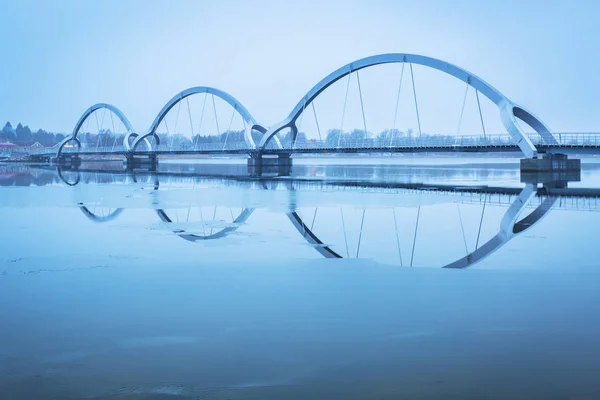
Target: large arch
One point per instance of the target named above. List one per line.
(509, 111)
(248, 118)
(510, 226)
(85, 116)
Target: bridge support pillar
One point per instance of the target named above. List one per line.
(68, 160)
(550, 163)
(280, 165)
(147, 162)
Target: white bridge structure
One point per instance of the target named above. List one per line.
(274, 145)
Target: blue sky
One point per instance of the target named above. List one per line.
(61, 57)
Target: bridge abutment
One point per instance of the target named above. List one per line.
(147, 161)
(280, 164)
(550, 163)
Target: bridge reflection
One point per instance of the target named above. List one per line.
(525, 207)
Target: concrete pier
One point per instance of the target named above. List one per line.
(280, 165)
(550, 163)
(68, 160)
(146, 162)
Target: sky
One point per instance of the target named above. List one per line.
(60, 57)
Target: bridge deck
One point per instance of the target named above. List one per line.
(562, 148)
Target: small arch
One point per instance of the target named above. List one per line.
(248, 118)
(192, 237)
(85, 116)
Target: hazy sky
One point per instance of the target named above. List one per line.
(60, 57)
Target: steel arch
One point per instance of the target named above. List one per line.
(192, 237)
(100, 219)
(85, 115)
(509, 111)
(509, 226)
(248, 118)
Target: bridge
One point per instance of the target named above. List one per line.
(174, 134)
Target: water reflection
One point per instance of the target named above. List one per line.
(251, 304)
(525, 207)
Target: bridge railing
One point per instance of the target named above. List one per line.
(578, 139)
(424, 141)
(354, 143)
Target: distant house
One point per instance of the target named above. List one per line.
(22, 148)
(37, 147)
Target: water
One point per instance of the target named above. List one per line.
(201, 281)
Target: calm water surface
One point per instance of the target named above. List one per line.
(201, 281)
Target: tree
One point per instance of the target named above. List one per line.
(333, 137)
(23, 133)
(8, 133)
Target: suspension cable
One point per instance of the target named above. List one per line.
(187, 100)
(480, 113)
(345, 236)
(412, 255)
(361, 103)
(314, 217)
(215, 111)
(112, 122)
(175, 127)
(229, 128)
(397, 236)
(480, 223)
(462, 229)
(362, 222)
(412, 76)
(312, 103)
(462, 110)
(344, 110)
(201, 117)
(397, 104)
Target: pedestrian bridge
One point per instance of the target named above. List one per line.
(182, 125)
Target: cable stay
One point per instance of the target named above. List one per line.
(412, 77)
(201, 118)
(362, 108)
(362, 222)
(187, 100)
(229, 128)
(312, 103)
(397, 236)
(98, 126)
(212, 225)
(462, 228)
(202, 220)
(299, 127)
(412, 254)
(481, 222)
(312, 225)
(480, 113)
(216, 118)
(112, 121)
(175, 127)
(462, 110)
(345, 236)
(344, 110)
(397, 104)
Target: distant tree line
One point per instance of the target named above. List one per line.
(22, 134)
(332, 138)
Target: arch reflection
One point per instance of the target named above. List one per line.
(512, 223)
